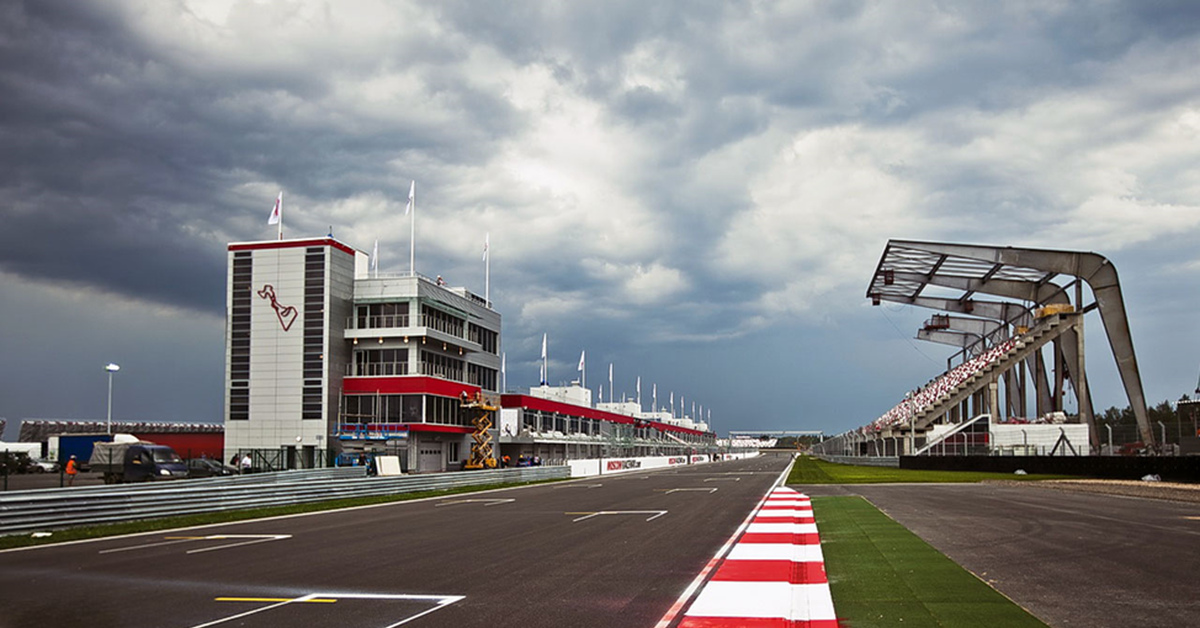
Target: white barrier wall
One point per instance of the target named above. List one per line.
(1039, 439)
(609, 466)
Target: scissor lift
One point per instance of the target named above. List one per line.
(478, 411)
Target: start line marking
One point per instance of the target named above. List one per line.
(588, 515)
(439, 601)
(171, 540)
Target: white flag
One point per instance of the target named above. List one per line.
(543, 346)
(639, 387)
(582, 359)
(375, 256)
(412, 197)
(486, 237)
(277, 213)
(503, 363)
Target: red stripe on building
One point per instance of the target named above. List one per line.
(772, 571)
(548, 405)
(290, 244)
(415, 385)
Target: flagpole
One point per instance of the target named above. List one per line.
(281, 214)
(610, 382)
(412, 230)
(487, 270)
(583, 368)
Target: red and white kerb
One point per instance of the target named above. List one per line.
(774, 575)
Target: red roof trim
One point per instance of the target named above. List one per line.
(547, 405)
(412, 385)
(290, 244)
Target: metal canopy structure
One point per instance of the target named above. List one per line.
(948, 277)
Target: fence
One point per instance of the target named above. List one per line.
(50, 509)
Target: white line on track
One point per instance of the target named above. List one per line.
(439, 601)
(656, 513)
(703, 490)
(485, 502)
(251, 539)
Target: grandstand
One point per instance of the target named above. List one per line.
(1018, 353)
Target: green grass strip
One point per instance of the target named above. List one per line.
(809, 470)
(187, 521)
(881, 574)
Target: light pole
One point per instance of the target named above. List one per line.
(912, 422)
(111, 368)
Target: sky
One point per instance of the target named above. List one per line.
(695, 192)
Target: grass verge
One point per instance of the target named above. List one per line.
(809, 470)
(880, 574)
(171, 523)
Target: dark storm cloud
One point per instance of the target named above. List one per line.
(729, 154)
(117, 153)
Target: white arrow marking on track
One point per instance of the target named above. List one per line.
(656, 513)
(486, 502)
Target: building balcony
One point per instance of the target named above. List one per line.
(377, 369)
(401, 369)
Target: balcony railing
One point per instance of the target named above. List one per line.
(397, 321)
(383, 321)
(377, 369)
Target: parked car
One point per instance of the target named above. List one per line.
(41, 465)
(207, 468)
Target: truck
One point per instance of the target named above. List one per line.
(60, 448)
(136, 461)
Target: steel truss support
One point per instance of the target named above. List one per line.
(1012, 275)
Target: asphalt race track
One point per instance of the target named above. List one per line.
(1071, 559)
(616, 550)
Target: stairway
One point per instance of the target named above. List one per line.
(1045, 331)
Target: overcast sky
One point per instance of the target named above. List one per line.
(697, 192)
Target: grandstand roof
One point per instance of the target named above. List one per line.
(907, 268)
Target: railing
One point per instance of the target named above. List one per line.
(372, 431)
(378, 321)
(52, 509)
(377, 369)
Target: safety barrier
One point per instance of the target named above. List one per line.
(51, 509)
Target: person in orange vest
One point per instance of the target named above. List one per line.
(72, 471)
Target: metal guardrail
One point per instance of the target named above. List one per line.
(52, 509)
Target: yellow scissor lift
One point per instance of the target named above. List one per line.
(479, 410)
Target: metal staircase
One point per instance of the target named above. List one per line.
(1047, 330)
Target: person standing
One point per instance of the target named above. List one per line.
(246, 463)
(72, 471)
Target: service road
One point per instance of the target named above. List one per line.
(1072, 559)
